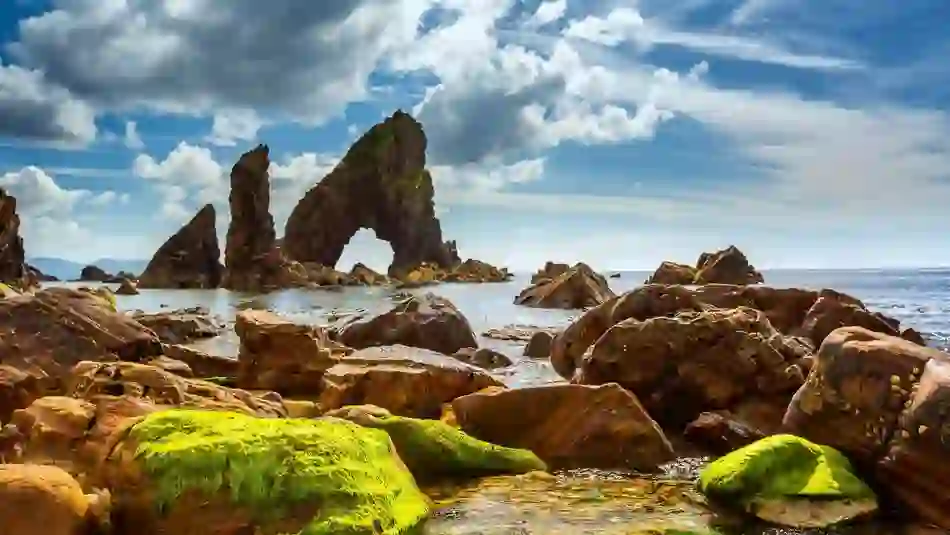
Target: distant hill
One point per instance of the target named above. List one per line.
(68, 270)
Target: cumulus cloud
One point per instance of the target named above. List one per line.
(33, 108)
(230, 126)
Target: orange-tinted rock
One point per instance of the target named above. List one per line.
(180, 326)
(427, 321)
(833, 310)
(191, 258)
(472, 270)
(728, 266)
(18, 388)
(380, 184)
(551, 270)
(41, 500)
(406, 381)
(720, 433)
(170, 365)
(568, 426)
(696, 362)
(279, 355)
(202, 364)
(483, 358)
(13, 269)
(578, 287)
(672, 273)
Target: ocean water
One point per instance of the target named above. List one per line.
(590, 502)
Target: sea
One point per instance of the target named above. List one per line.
(584, 501)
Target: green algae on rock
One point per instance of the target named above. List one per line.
(433, 449)
(312, 477)
(791, 481)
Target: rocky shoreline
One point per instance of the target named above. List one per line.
(815, 410)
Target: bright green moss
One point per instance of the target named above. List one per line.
(433, 449)
(783, 466)
(268, 465)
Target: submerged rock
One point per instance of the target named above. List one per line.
(790, 481)
(191, 258)
(180, 326)
(183, 471)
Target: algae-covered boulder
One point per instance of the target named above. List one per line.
(182, 472)
(432, 448)
(791, 481)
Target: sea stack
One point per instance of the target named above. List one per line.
(191, 258)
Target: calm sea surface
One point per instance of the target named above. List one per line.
(572, 504)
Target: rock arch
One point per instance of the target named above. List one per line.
(381, 184)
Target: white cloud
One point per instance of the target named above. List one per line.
(33, 108)
(230, 126)
(548, 11)
(132, 139)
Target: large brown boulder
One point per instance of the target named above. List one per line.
(672, 273)
(728, 266)
(279, 355)
(720, 433)
(362, 275)
(578, 287)
(884, 401)
(427, 321)
(13, 268)
(568, 426)
(381, 184)
(42, 500)
(93, 273)
(694, 362)
(180, 326)
(407, 381)
(203, 364)
(833, 310)
(191, 258)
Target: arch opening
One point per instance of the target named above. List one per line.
(364, 247)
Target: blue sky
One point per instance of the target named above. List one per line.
(618, 132)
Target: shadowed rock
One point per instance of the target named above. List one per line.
(13, 269)
(189, 259)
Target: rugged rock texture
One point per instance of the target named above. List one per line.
(884, 401)
(202, 364)
(427, 321)
(180, 326)
(13, 269)
(381, 184)
(93, 273)
(361, 275)
(551, 270)
(191, 258)
(568, 426)
(406, 381)
(127, 287)
(483, 358)
(38, 275)
(695, 362)
(720, 433)
(253, 261)
(728, 266)
(578, 287)
(42, 500)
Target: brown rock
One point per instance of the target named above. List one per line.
(126, 287)
(380, 184)
(364, 276)
(427, 321)
(38, 275)
(191, 258)
(539, 346)
(720, 433)
(672, 273)
(578, 287)
(170, 365)
(915, 468)
(696, 362)
(18, 388)
(856, 391)
(406, 381)
(551, 270)
(180, 326)
(517, 333)
(279, 355)
(41, 500)
(13, 269)
(93, 273)
(483, 357)
(202, 364)
(728, 266)
(568, 426)
(786, 308)
(833, 310)
(478, 271)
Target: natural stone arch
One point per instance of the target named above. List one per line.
(381, 184)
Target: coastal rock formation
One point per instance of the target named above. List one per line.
(93, 273)
(884, 401)
(253, 261)
(13, 269)
(578, 287)
(380, 184)
(694, 362)
(180, 326)
(38, 275)
(568, 426)
(191, 258)
(361, 275)
(720, 433)
(551, 270)
(427, 321)
(728, 266)
(483, 357)
(127, 287)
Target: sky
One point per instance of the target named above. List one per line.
(617, 132)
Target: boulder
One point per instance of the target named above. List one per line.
(202, 364)
(93, 273)
(833, 310)
(37, 275)
(243, 475)
(42, 500)
(568, 426)
(191, 258)
(551, 270)
(126, 287)
(578, 287)
(728, 266)
(672, 273)
(433, 449)
(381, 184)
(18, 388)
(483, 357)
(13, 268)
(789, 481)
(180, 326)
(473, 270)
(694, 362)
(539, 345)
(406, 381)
(364, 276)
(720, 433)
(427, 321)
(170, 365)
(286, 357)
